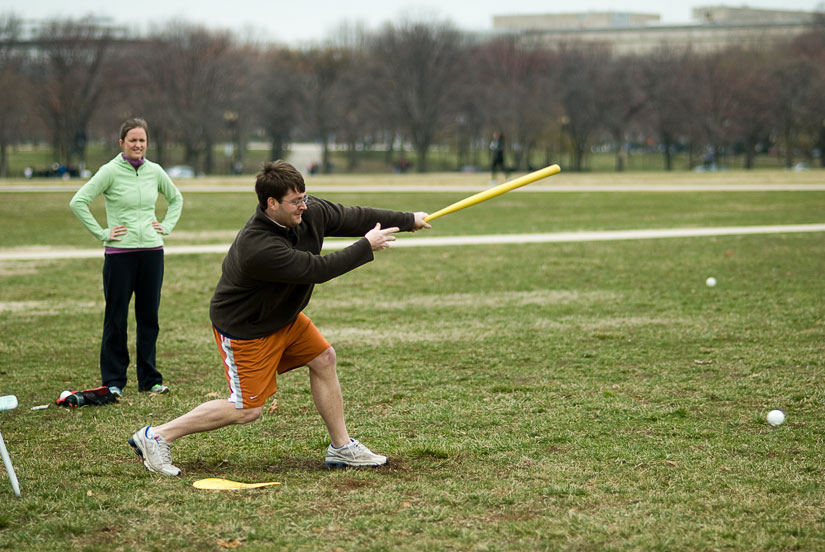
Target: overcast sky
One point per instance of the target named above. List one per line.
(300, 21)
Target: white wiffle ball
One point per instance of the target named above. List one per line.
(776, 417)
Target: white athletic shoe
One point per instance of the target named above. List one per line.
(354, 455)
(154, 452)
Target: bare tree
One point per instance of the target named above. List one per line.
(321, 72)
(752, 114)
(192, 76)
(383, 116)
(70, 81)
(811, 48)
(356, 104)
(518, 90)
(417, 64)
(720, 78)
(472, 115)
(667, 98)
(242, 114)
(279, 97)
(359, 120)
(793, 75)
(14, 88)
(621, 100)
(583, 75)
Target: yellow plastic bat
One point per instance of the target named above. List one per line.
(218, 484)
(496, 191)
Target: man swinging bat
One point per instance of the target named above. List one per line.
(267, 280)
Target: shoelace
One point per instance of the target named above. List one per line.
(354, 448)
(165, 451)
(346, 450)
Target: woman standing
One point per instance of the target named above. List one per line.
(133, 260)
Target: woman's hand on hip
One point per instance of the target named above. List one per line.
(117, 231)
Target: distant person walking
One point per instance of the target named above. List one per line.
(497, 157)
(267, 280)
(133, 260)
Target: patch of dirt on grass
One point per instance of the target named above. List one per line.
(351, 484)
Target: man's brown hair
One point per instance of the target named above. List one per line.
(276, 179)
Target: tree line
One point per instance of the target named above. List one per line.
(425, 84)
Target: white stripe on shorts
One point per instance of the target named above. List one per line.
(236, 395)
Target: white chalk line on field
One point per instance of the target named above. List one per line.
(556, 237)
(467, 188)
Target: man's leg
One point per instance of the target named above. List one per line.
(206, 417)
(326, 392)
(152, 443)
(240, 357)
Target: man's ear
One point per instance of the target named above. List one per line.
(272, 203)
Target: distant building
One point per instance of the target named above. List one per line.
(713, 28)
(744, 15)
(34, 30)
(568, 21)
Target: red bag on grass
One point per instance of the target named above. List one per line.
(97, 396)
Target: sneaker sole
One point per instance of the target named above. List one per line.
(338, 464)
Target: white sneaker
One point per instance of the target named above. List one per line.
(354, 455)
(154, 452)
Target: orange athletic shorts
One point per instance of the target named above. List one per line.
(251, 365)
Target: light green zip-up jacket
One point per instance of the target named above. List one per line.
(130, 200)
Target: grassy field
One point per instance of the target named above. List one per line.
(578, 396)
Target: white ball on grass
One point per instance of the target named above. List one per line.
(776, 417)
(710, 282)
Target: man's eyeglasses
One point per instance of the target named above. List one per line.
(297, 202)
